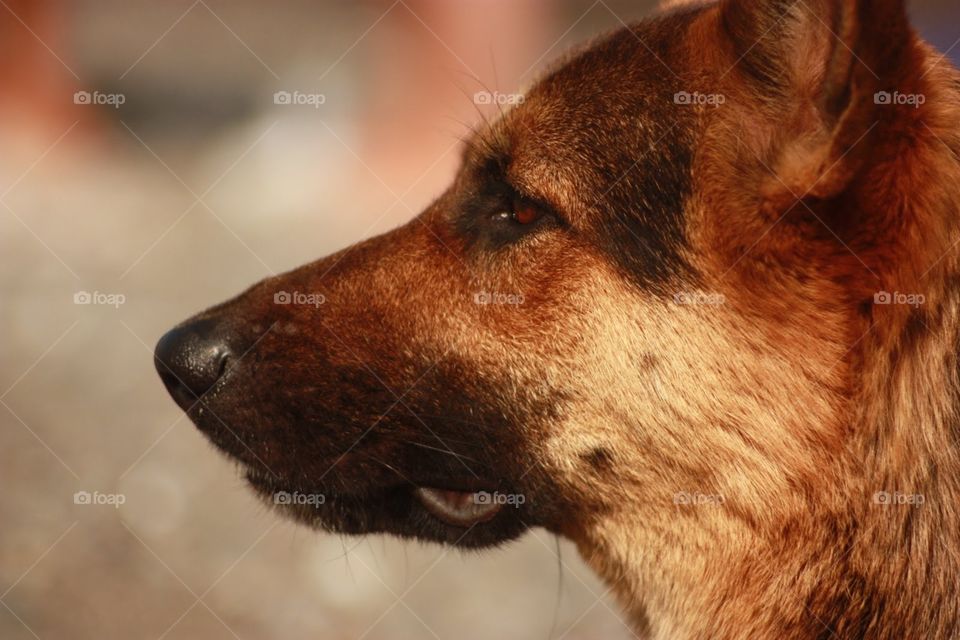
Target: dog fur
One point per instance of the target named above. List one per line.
(719, 464)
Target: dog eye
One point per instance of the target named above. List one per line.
(526, 213)
(522, 213)
(499, 220)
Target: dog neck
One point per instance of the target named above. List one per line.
(870, 551)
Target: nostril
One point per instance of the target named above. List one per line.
(190, 359)
(222, 365)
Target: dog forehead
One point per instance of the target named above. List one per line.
(602, 106)
(635, 66)
(634, 60)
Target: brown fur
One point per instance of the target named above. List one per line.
(600, 398)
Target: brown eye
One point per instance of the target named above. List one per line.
(522, 213)
(525, 213)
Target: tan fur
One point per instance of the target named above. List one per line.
(832, 407)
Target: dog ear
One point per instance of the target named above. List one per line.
(817, 67)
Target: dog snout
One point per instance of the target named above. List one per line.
(191, 358)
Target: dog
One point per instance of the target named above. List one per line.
(692, 304)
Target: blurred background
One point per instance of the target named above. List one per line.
(158, 157)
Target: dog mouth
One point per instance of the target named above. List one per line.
(467, 513)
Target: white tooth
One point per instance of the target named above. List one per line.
(455, 506)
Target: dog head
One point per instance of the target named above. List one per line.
(641, 288)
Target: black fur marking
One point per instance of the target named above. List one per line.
(635, 148)
(599, 459)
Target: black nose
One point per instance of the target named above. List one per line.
(191, 358)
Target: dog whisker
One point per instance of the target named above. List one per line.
(446, 451)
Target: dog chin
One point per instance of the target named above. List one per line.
(427, 513)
